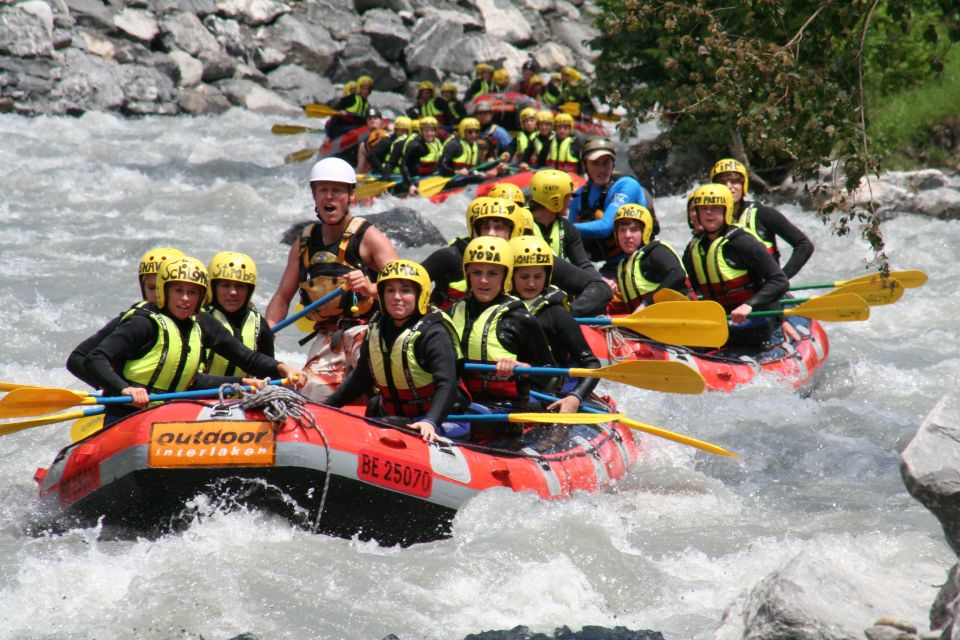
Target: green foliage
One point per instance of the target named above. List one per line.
(779, 80)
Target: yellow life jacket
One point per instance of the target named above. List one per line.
(716, 278)
(430, 159)
(479, 342)
(747, 220)
(551, 295)
(406, 387)
(630, 279)
(561, 156)
(554, 237)
(322, 271)
(169, 365)
(469, 153)
(253, 325)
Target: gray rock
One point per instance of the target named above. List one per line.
(26, 29)
(250, 95)
(551, 55)
(299, 86)
(302, 43)
(930, 466)
(503, 21)
(336, 17)
(576, 35)
(140, 25)
(184, 31)
(392, 104)
(202, 100)
(404, 226)
(252, 12)
(813, 598)
(199, 7)
(189, 69)
(27, 79)
(363, 6)
(943, 612)
(88, 84)
(146, 90)
(218, 66)
(387, 32)
(359, 58)
(91, 13)
(432, 42)
(235, 38)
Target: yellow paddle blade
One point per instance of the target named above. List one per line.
(37, 400)
(676, 437)
(299, 156)
(696, 324)
(10, 386)
(373, 189)
(305, 324)
(607, 117)
(432, 186)
(84, 427)
(565, 418)
(847, 307)
(291, 129)
(668, 376)
(12, 427)
(874, 294)
(572, 108)
(669, 295)
(316, 110)
(910, 279)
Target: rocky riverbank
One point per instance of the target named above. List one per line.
(145, 57)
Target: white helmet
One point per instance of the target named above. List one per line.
(333, 170)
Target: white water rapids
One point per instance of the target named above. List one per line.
(668, 549)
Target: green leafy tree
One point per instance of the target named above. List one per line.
(780, 84)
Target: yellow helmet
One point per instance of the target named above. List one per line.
(714, 195)
(728, 165)
(550, 188)
(426, 85)
(182, 269)
(571, 74)
(641, 214)
(501, 76)
(528, 226)
(403, 122)
(428, 121)
(467, 123)
(150, 263)
(489, 250)
(349, 87)
(527, 112)
(364, 81)
(233, 266)
(531, 251)
(508, 191)
(545, 116)
(449, 87)
(483, 67)
(406, 270)
(535, 79)
(486, 207)
(562, 119)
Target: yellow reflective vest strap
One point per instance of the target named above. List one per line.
(431, 109)
(401, 142)
(716, 278)
(249, 335)
(525, 139)
(748, 222)
(554, 237)
(432, 156)
(359, 107)
(321, 272)
(560, 155)
(169, 365)
(468, 153)
(630, 279)
(550, 296)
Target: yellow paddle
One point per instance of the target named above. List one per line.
(909, 279)
(571, 108)
(12, 427)
(697, 324)
(875, 294)
(373, 189)
(300, 156)
(847, 307)
(607, 117)
(84, 427)
(656, 375)
(317, 110)
(292, 129)
(656, 431)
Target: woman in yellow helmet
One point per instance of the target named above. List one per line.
(564, 152)
(455, 107)
(351, 110)
(421, 155)
(532, 270)
(147, 274)
(482, 83)
(160, 347)
(233, 277)
(410, 355)
(429, 104)
(525, 137)
(729, 265)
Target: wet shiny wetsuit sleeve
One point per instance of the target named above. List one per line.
(573, 249)
(520, 332)
(661, 265)
(129, 341)
(411, 161)
(569, 346)
(772, 224)
(589, 293)
(451, 150)
(76, 361)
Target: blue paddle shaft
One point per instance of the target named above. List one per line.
(177, 395)
(307, 309)
(543, 371)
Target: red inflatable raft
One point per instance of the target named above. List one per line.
(384, 482)
(794, 363)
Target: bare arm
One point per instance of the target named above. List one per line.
(289, 283)
(376, 250)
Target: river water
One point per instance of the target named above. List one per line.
(669, 548)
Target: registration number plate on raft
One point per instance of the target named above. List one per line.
(393, 474)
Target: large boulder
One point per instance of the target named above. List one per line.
(302, 43)
(185, 31)
(387, 32)
(503, 21)
(146, 90)
(88, 83)
(359, 58)
(140, 25)
(299, 86)
(404, 226)
(26, 29)
(250, 95)
(252, 12)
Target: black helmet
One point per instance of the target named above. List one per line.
(532, 65)
(373, 112)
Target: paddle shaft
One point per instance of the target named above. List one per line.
(307, 309)
(176, 395)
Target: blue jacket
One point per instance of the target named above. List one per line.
(624, 190)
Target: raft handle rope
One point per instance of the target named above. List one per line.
(278, 404)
